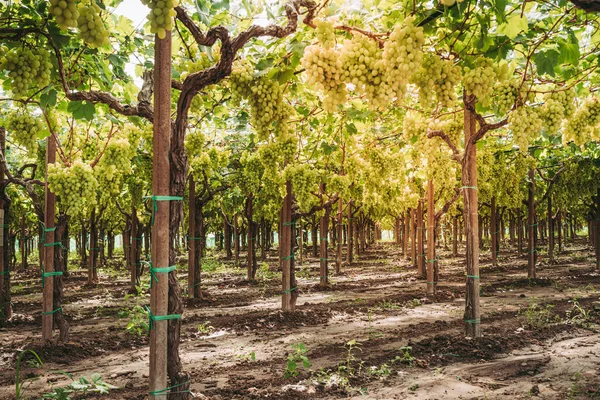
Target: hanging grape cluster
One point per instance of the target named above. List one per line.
(324, 67)
(161, 15)
(437, 78)
(75, 186)
(479, 81)
(112, 168)
(65, 13)
(27, 69)
(581, 127)
(268, 110)
(402, 55)
(304, 182)
(363, 66)
(452, 127)
(24, 129)
(90, 24)
(525, 124)
(505, 96)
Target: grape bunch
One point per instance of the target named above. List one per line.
(505, 96)
(304, 182)
(363, 66)
(27, 69)
(437, 78)
(91, 26)
(161, 15)
(452, 127)
(74, 185)
(325, 33)
(265, 96)
(112, 168)
(525, 124)
(65, 13)
(24, 129)
(324, 71)
(581, 127)
(479, 81)
(402, 55)
(552, 113)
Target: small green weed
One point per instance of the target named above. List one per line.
(295, 359)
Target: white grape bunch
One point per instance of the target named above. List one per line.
(505, 96)
(437, 78)
(479, 81)
(363, 66)
(325, 33)
(91, 26)
(65, 13)
(24, 129)
(265, 96)
(161, 15)
(581, 127)
(525, 124)
(27, 69)
(74, 185)
(324, 71)
(402, 55)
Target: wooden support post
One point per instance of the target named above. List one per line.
(133, 247)
(550, 232)
(324, 266)
(494, 231)
(431, 284)
(191, 237)
(159, 294)
(49, 213)
(531, 250)
(339, 257)
(597, 229)
(5, 299)
(470, 198)
(350, 234)
(420, 239)
(406, 234)
(287, 252)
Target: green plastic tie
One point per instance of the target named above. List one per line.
(469, 187)
(534, 224)
(431, 283)
(53, 312)
(7, 272)
(472, 321)
(196, 283)
(473, 276)
(290, 257)
(136, 238)
(323, 238)
(152, 318)
(432, 261)
(156, 199)
(167, 389)
(193, 238)
(49, 274)
(154, 271)
(94, 248)
(292, 223)
(289, 290)
(532, 251)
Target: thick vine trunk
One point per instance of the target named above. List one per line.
(455, 237)
(289, 292)
(92, 272)
(251, 255)
(406, 234)
(350, 236)
(431, 282)
(597, 229)
(550, 232)
(60, 265)
(48, 268)
(413, 241)
(420, 244)
(323, 254)
(339, 257)
(494, 231)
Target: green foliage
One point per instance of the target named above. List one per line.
(82, 386)
(205, 328)
(20, 383)
(405, 356)
(537, 315)
(296, 359)
(137, 320)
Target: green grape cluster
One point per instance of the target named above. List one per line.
(304, 182)
(363, 66)
(324, 71)
(24, 129)
(558, 105)
(26, 69)
(161, 15)
(479, 81)
(581, 127)
(402, 54)
(91, 26)
(437, 78)
(112, 168)
(65, 13)
(567, 99)
(525, 124)
(265, 96)
(325, 33)
(505, 96)
(75, 186)
(452, 126)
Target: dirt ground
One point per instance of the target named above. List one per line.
(371, 335)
